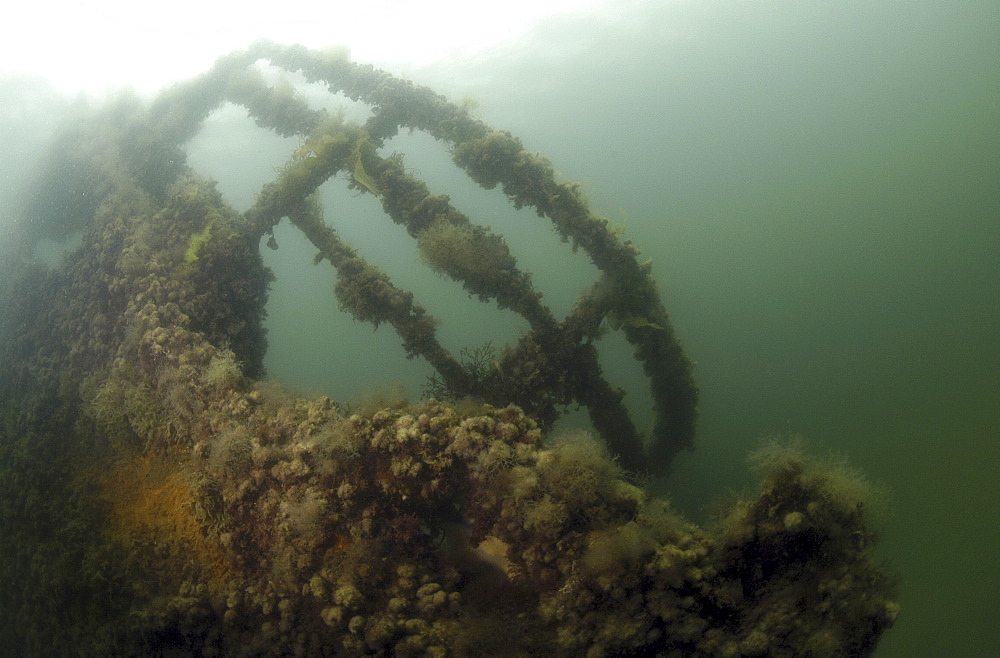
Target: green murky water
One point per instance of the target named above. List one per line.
(816, 183)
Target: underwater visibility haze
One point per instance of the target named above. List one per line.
(301, 357)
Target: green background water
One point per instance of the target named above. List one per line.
(817, 185)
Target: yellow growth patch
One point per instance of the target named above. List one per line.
(149, 501)
(196, 242)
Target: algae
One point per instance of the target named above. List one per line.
(158, 496)
(357, 166)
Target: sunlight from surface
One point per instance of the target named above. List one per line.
(98, 45)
